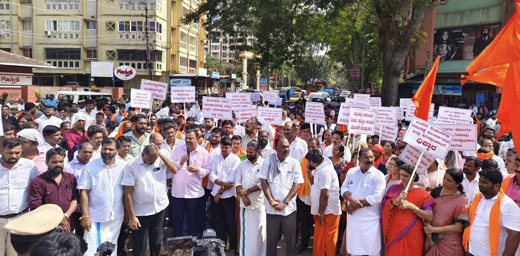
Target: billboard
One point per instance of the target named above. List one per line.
(453, 90)
(101, 69)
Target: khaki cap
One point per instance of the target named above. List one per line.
(40, 221)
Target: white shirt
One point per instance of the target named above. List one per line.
(239, 130)
(150, 194)
(363, 225)
(479, 236)
(74, 167)
(166, 147)
(163, 113)
(14, 186)
(247, 177)
(92, 114)
(325, 178)
(328, 151)
(21, 107)
(501, 165)
(470, 188)
(192, 112)
(224, 170)
(213, 152)
(128, 158)
(504, 146)
(491, 123)
(298, 149)
(280, 184)
(105, 197)
(267, 151)
(43, 121)
(270, 131)
(200, 117)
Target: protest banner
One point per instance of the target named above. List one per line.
(220, 108)
(356, 102)
(400, 113)
(410, 112)
(344, 111)
(314, 113)
(239, 100)
(159, 90)
(255, 96)
(279, 102)
(362, 122)
(385, 116)
(183, 94)
(375, 101)
(362, 97)
(453, 116)
(386, 132)
(269, 115)
(270, 97)
(243, 115)
(140, 98)
(410, 155)
(404, 102)
(465, 136)
(428, 138)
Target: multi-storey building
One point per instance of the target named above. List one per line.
(221, 49)
(71, 34)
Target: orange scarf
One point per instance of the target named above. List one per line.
(304, 190)
(120, 132)
(123, 115)
(113, 119)
(179, 135)
(507, 182)
(494, 223)
(483, 156)
(379, 149)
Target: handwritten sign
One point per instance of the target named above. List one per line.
(243, 115)
(344, 112)
(270, 97)
(453, 116)
(182, 94)
(465, 136)
(400, 113)
(279, 102)
(387, 132)
(314, 113)
(403, 103)
(385, 116)
(269, 115)
(159, 90)
(255, 96)
(410, 155)
(375, 101)
(140, 98)
(220, 108)
(429, 138)
(356, 102)
(239, 101)
(410, 112)
(362, 97)
(362, 122)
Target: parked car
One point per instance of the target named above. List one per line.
(297, 96)
(75, 96)
(319, 97)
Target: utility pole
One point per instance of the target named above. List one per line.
(363, 64)
(427, 65)
(149, 65)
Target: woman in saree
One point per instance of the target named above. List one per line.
(403, 215)
(450, 217)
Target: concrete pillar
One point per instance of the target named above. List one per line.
(258, 80)
(244, 73)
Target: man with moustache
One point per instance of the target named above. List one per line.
(489, 133)
(48, 118)
(55, 187)
(138, 135)
(16, 174)
(101, 197)
(78, 133)
(250, 133)
(263, 144)
(510, 161)
(209, 123)
(487, 143)
(95, 137)
(281, 179)
(471, 178)
(170, 142)
(227, 129)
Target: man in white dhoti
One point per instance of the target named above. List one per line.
(101, 197)
(364, 188)
(252, 210)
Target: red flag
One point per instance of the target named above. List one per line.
(423, 97)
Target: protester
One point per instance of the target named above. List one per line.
(48, 118)
(138, 135)
(251, 133)
(393, 172)
(510, 183)
(33, 148)
(339, 163)
(78, 133)
(95, 137)
(326, 145)
(125, 143)
(470, 183)
(378, 151)
(169, 130)
(263, 143)
(388, 150)
(6, 119)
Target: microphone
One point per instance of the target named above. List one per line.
(188, 153)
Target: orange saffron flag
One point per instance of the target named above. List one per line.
(423, 97)
(510, 104)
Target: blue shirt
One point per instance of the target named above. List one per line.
(50, 102)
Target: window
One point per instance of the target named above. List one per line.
(5, 25)
(193, 64)
(140, 26)
(76, 7)
(91, 54)
(4, 6)
(110, 25)
(152, 26)
(131, 55)
(62, 25)
(91, 25)
(62, 54)
(183, 61)
(27, 52)
(215, 47)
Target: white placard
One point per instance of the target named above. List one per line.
(453, 115)
(255, 96)
(269, 115)
(220, 108)
(101, 69)
(362, 97)
(344, 112)
(375, 101)
(385, 116)
(410, 155)
(279, 102)
(314, 113)
(350, 101)
(362, 122)
(140, 98)
(410, 112)
(159, 90)
(400, 113)
(270, 97)
(429, 138)
(387, 132)
(404, 102)
(243, 115)
(183, 94)
(465, 136)
(239, 100)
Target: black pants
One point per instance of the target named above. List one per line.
(275, 224)
(224, 214)
(180, 206)
(152, 227)
(77, 223)
(201, 223)
(305, 222)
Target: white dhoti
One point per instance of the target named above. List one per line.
(101, 232)
(252, 232)
(363, 232)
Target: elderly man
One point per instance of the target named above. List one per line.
(101, 197)
(364, 189)
(252, 210)
(281, 179)
(48, 118)
(146, 197)
(13, 195)
(78, 133)
(138, 135)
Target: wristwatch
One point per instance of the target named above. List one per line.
(249, 191)
(285, 202)
(66, 215)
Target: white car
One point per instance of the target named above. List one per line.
(319, 97)
(75, 96)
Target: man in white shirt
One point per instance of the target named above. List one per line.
(191, 110)
(364, 189)
(492, 121)
(263, 143)
(223, 172)
(95, 137)
(505, 146)
(16, 174)
(101, 197)
(471, 178)
(238, 129)
(170, 142)
(483, 214)
(89, 110)
(146, 197)
(252, 210)
(48, 118)
(327, 145)
(297, 145)
(281, 178)
(487, 143)
(124, 144)
(326, 206)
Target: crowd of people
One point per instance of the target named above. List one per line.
(117, 172)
